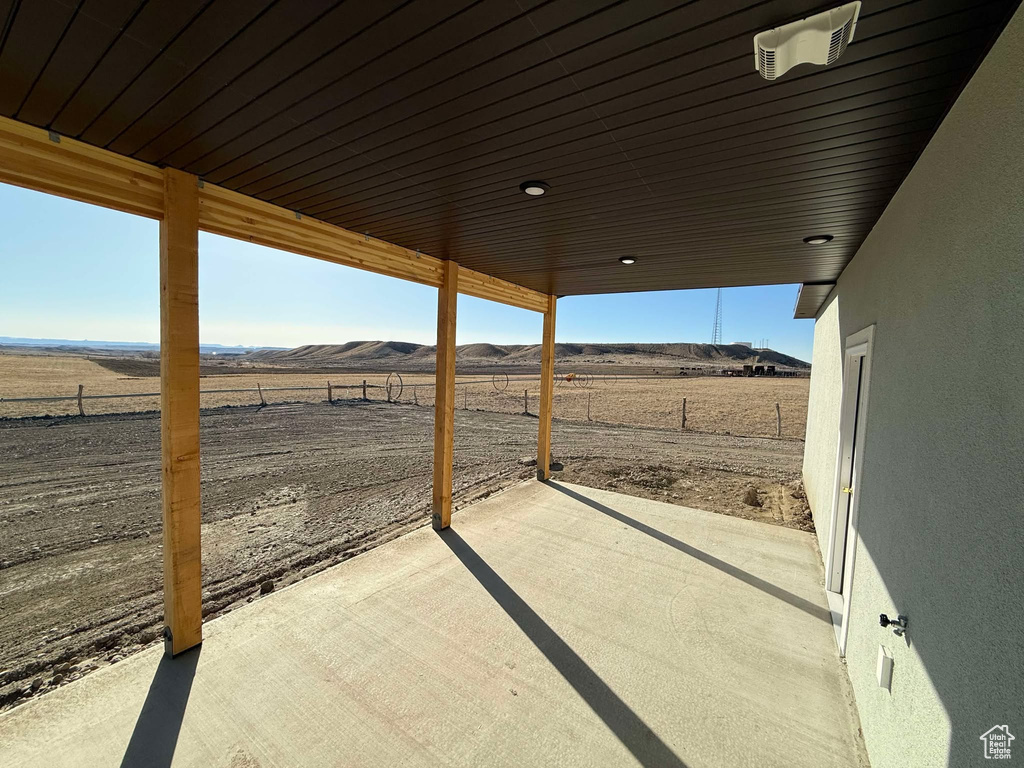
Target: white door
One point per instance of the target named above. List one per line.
(843, 529)
(847, 470)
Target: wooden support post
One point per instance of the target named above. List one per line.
(260, 390)
(778, 421)
(179, 411)
(547, 392)
(588, 406)
(415, 400)
(81, 408)
(526, 402)
(364, 389)
(444, 396)
(330, 399)
(684, 414)
(465, 399)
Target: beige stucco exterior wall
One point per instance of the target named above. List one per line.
(823, 418)
(941, 521)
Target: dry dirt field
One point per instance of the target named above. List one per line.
(292, 488)
(738, 406)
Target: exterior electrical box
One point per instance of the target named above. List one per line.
(884, 668)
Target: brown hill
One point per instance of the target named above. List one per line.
(480, 352)
(399, 353)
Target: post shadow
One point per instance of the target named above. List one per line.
(634, 734)
(767, 587)
(156, 731)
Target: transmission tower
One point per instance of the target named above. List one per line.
(716, 332)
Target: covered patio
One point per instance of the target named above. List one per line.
(552, 625)
(521, 152)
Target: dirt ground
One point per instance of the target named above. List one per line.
(289, 490)
(738, 406)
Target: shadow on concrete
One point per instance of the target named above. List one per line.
(644, 744)
(817, 611)
(156, 731)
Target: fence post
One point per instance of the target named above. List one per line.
(81, 409)
(465, 399)
(778, 421)
(684, 413)
(415, 400)
(260, 390)
(588, 406)
(330, 399)
(364, 389)
(526, 402)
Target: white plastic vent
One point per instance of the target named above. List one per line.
(818, 39)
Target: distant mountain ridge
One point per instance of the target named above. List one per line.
(116, 346)
(679, 353)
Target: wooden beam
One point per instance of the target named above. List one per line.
(179, 410)
(547, 392)
(444, 397)
(228, 213)
(232, 214)
(32, 158)
(482, 286)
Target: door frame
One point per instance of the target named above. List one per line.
(843, 530)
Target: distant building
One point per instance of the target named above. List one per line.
(748, 344)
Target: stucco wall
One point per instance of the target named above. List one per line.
(822, 435)
(941, 521)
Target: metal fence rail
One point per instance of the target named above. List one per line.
(202, 392)
(257, 389)
(394, 391)
(559, 378)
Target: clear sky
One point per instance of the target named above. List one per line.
(74, 271)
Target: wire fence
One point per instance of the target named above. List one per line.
(690, 404)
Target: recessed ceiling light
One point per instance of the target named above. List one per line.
(627, 259)
(818, 239)
(535, 188)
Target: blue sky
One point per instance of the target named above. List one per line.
(75, 271)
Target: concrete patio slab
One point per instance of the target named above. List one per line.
(553, 625)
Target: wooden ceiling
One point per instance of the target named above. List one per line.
(417, 121)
